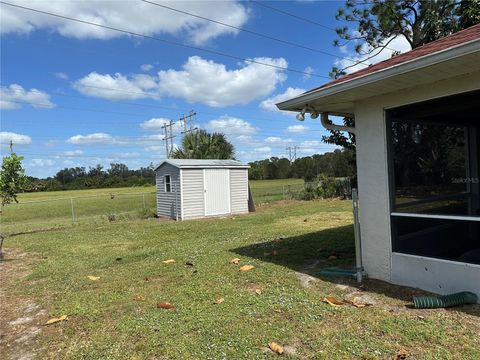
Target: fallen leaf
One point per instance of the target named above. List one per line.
(333, 301)
(275, 347)
(218, 300)
(189, 263)
(333, 257)
(401, 355)
(165, 305)
(169, 261)
(258, 291)
(235, 261)
(93, 278)
(247, 267)
(357, 302)
(139, 298)
(55, 320)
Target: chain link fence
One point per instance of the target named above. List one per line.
(59, 212)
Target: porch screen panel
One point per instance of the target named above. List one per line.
(434, 178)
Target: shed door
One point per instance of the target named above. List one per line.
(216, 191)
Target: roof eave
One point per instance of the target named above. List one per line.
(297, 103)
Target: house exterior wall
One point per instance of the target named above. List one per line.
(192, 192)
(168, 204)
(239, 191)
(371, 139)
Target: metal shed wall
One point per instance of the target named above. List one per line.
(239, 191)
(192, 193)
(166, 205)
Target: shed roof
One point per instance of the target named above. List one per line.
(203, 163)
(452, 55)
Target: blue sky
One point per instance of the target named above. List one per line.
(77, 95)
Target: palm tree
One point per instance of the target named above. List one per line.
(203, 145)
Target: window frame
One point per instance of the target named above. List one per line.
(169, 183)
(389, 118)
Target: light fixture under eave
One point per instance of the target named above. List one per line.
(301, 115)
(314, 114)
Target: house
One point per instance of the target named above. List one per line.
(191, 188)
(417, 129)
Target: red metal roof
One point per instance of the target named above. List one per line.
(463, 36)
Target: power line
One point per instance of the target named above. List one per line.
(265, 36)
(169, 42)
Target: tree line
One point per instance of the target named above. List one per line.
(76, 178)
(339, 163)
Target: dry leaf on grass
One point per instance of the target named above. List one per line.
(333, 301)
(401, 355)
(93, 278)
(275, 347)
(247, 267)
(218, 300)
(235, 261)
(333, 257)
(357, 302)
(169, 261)
(139, 298)
(55, 320)
(165, 305)
(258, 291)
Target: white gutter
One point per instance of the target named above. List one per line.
(395, 70)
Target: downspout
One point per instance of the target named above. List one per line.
(327, 124)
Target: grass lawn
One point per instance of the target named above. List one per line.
(115, 317)
(45, 210)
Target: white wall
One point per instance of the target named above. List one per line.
(373, 175)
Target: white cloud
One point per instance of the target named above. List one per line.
(117, 86)
(133, 16)
(41, 162)
(146, 67)
(308, 71)
(73, 152)
(270, 104)
(156, 124)
(155, 148)
(399, 43)
(211, 83)
(310, 143)
(263, 149)
(200, 81)
(16, 139)
(61, 76)
(14, 96)
(90, 139)
(230, 125)
(297, 129)
(278, 141)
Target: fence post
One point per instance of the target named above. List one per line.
(73, 210)
(144, 206)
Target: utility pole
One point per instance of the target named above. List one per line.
(188, 128)
(168, 131)
(292, 153)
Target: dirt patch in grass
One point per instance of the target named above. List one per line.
(21, 317)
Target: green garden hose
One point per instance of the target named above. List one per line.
(433, 302)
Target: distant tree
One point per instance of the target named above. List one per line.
(204, 145)
(12, 178)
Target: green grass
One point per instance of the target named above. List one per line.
(44, 210)
(106, 323)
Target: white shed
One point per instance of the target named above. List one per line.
(417, 130)
(193, 188)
